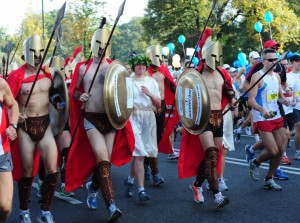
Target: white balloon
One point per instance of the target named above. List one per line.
(165, 51)
(176, 57)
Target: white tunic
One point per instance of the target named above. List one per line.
(143, 118)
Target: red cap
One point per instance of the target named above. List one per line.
(77, 50)
(270, 44)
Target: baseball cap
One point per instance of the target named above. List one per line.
(295, 57)
(254, 54)
(226, 66)
(232, 69)
(270, 44)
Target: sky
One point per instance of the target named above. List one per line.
(12, 11)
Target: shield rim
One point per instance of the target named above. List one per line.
(67, 107)
(205, 99)
(106, 92)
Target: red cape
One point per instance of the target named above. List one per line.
(15, 80)
(171, 117)
(81, 159)
(191, 150)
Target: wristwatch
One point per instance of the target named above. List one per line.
(15, 126)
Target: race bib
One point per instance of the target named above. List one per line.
(272, 96)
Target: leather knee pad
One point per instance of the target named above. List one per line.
(24, 188)
(47, 190)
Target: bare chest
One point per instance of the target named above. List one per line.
(41, 86)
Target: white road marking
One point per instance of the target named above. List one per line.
(56, 194)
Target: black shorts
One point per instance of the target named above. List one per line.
(288, 121)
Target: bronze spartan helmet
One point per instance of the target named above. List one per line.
(212, 53)
(58, 62)
(155, 54)
(99, 41)
(33, 46)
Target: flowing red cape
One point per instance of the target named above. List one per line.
(191, 151)
(15, 80)
(171, 117)
(81, 159)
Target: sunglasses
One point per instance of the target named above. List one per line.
(271, 59)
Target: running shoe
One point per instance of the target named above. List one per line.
(91, 200)
(129, 188)
(158, 180)
(65, 193)
(280, 175)
(249, 155)
(222, 184)
(220, 200)
(143, 197)
(271, 185)
(45, 218)
(285, 160)
(173, 156)
(297, 156)
(198, 196)
(253, 170)
(25, 217)
(113, 212)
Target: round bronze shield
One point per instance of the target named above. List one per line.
(118, 94)
(192, 101)
(59, 119)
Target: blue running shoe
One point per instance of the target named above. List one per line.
(91, 200)
(280, 175)
(129, 188)
(113, 212)
(249, 155)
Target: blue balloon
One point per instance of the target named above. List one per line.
(195, 61)
(268, 16)
(181, 39)
(258, 27)
(237, 64)
(171, 46)
(242, 57)
(197, 49)
(289, 54)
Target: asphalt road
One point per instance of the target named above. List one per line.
(173, 202)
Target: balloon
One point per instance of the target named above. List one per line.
(176, 57)
(268, 16)
(245, 63)
(165, 51)
(195, 61)
(258, 27)
(197, 49)
(242, 57)
(289, 54)
(181, 39)
(237, 64)
(171, 46)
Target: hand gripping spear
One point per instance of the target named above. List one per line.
(206, 22)
(283, 56)
(120, 12)
(60, 15)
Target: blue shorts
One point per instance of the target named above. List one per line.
(296, 113)
(6, 163)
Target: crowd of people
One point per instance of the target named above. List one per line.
(262, 98)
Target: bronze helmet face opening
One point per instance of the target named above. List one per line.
(155, 54)
(99, 41)
(212, 53)
(33, 47)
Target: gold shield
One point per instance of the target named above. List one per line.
(58, 120)
(118, 94)
(192, 101)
